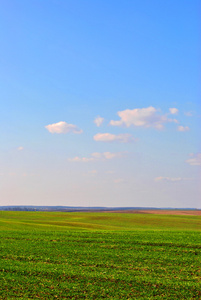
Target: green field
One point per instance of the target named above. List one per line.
(46, 255)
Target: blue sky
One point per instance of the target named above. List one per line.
(100, 104)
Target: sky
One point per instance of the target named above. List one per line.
(100, 103)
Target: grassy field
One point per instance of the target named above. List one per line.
(99, 255)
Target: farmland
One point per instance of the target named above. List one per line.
(47, 255)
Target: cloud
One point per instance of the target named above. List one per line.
(93, 172)
(142, 117)
(195, 159)
(106, 155)
(119, 180)
(110, 172)
(172, 179)
(98, 121)
(20, 148)
(189, 113)
(173, 110)
(108, 137)
(63, 127)
(183, 128)
(81, 159)
(96, 156)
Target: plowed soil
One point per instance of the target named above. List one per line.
(162, 212)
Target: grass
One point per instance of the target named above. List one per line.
(99, 255)
(96, 221)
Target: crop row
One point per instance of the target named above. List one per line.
(94, 265)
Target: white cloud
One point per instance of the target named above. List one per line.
(96, 156)
(20, 148)
(189, 113)
(172, 179)
(98, 121)
(12, 174)
(93, 172)
(119, 180)
(173, 110)
(142, 117)
(106, 155)
(110, 172)
(108, 137)
(63, 127)
(183, 128)
(195, 159)
(81, 159)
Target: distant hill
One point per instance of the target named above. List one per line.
(82, 208)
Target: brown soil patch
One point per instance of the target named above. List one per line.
(174, 212)
(195, 212)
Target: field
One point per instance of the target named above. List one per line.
(47, 255)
